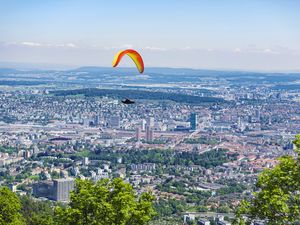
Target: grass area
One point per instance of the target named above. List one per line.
(83, 153)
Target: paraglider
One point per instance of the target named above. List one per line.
(136, 58)
(127, 101)
(134, 55)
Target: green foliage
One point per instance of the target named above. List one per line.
(106, 202)
(6, 149)
(9, 208)
(37, 212)
(232, 188)
(166, 157)
(83, 153)
(278, 197)
(140, 94)
(34, 177)
(170, 207)
(224, 209)
(55, 175)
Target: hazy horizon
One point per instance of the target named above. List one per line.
(47, 66)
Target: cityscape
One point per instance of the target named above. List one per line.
(200, 155)
(150, 112)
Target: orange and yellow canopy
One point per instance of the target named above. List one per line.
(134, 55)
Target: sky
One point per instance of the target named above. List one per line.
(257, 35)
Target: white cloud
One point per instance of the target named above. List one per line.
(43, 45)
(237, 50)
(124, 46)
(270, 51)
(151, 48)
(31, 44)
(127, 46)
(66, 45)
(185, 48)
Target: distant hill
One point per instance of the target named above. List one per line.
(160, 70)
(22, 83)
(291, 87)
(186, 74)
(8, 70)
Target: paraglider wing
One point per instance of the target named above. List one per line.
(134, 55)
(128, 102)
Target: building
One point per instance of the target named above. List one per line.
(75, 171)
(27, 154)
(43, 189)
(194, 121)
(188, 217)
(85, 161)
(143, 124)
(114, 122)
(96, 120)
(35, 149)
(204, 222)
(224, 222)
(150, 122)
(259, 223)
(149, 134)
(143, 167)
(12, 187)
(120, 160)
(86, 121)
(220, 220)
(62, 188)
(138, 133)
(101, 174)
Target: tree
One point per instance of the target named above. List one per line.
(106, 202)
(37, 212)
(277, 199)
(9, 208)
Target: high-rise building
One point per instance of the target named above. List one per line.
(120, 160)
(150, 121)
(114, 122)
(62, 188)
(96, 120)
(143, 124)
(194, 121)
(27, 154)
(43, 189)
(149, 134)
(85, 161)
(86, 121)
(138, 133)
(35, 149)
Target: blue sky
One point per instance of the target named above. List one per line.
(213, 34)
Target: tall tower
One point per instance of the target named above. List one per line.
(62, 188)
(150, 121)
(114, 122)
(194, 121)
(138, 133)
(143, 125)
(149, 134)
